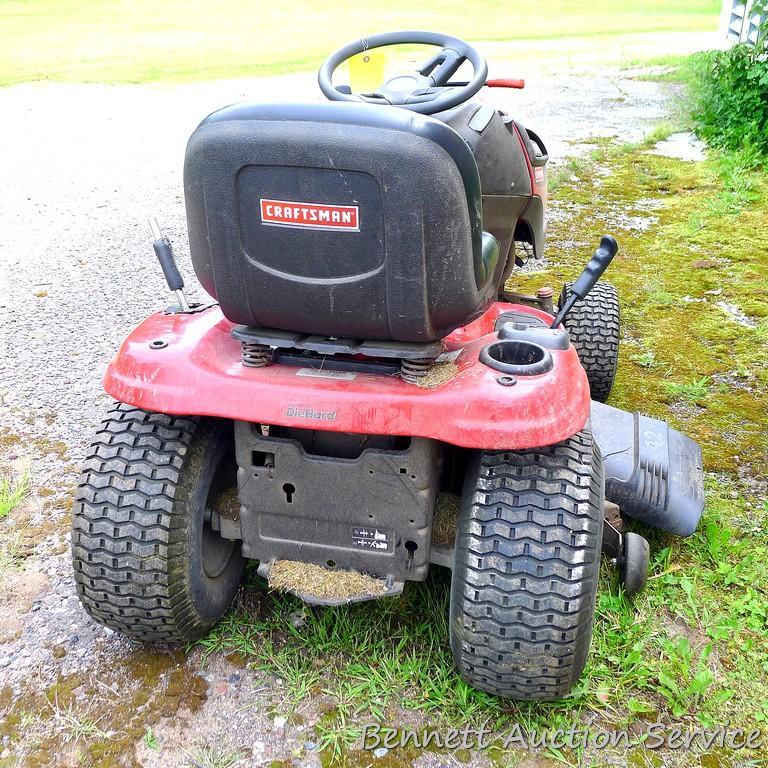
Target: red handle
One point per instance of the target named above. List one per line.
(506, 82)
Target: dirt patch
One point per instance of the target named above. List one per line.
(18, 593)
(39, 519)
(234, 722)
(22, 588)
(11, 627)
(95, 718)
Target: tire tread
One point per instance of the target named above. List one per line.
(522, 606)
(130, 525)
(594, 326)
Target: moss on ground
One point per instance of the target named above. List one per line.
(80, 720)
(692, 275)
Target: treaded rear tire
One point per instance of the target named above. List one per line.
(594, 325)
(138, 530)
(526, 566)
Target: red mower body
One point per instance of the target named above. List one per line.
(189, 364)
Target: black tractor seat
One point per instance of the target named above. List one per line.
(338, 220)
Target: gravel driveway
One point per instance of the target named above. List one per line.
(83, 166)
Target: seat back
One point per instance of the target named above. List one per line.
(338, 219)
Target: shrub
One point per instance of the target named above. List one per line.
(730, 90)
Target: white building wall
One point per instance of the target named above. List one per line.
(738, 24)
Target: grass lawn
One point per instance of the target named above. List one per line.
(143, 41)
(12, 493)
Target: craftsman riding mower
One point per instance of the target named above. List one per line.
(361, 372)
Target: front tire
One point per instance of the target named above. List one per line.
(147, 562)
(634, 563)
(526, 567)
(594, 325)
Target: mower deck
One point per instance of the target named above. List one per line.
(188, 363)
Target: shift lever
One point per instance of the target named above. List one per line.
(592, 273)
(164, 253)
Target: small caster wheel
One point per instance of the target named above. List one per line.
(634, 563)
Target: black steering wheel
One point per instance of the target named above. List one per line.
(428, 89)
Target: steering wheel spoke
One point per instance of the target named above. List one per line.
(373, 98)
(426, 90)
(426, 68)
(447, 65)
(424, 97)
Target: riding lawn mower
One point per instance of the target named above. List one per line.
(359, 369)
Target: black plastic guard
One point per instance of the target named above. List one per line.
(654, 473)
(370, 511)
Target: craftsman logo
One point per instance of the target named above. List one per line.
(281, 213)
(299, 412)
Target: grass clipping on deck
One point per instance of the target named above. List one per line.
(310, 579)
(438, 374)
(446, 520)
(227, 504)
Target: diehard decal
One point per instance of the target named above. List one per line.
(301, 412)
(282, 213)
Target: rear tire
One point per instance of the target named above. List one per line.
(146, 562)
(526, 566)
(594, 325)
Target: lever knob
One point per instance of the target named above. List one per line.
(599, 262)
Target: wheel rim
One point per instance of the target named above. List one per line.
(216, 550)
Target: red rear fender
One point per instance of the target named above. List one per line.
(190, 365)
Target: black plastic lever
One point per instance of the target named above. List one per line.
(594, 270)
(164, 253)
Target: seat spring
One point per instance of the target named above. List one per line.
(256, 355)
(413, 370)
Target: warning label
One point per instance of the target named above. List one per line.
(371, 538)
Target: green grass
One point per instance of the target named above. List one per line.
(692, 648)
(668, 68)
(13, 491)
(213, 757)
(572, 169)
(76, 727)
(690, 393)
(150, 740)
(142, 41)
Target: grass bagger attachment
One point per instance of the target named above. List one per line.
(361, 373)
